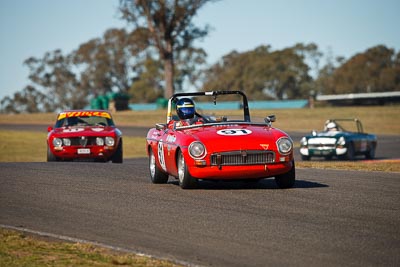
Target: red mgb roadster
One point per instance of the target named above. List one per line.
(215, 145)
(84, 135)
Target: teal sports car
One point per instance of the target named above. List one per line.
(337, 141)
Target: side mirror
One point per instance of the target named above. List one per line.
(270, 118)
(160, 126)
(49, 129)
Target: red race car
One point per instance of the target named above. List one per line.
(193, 145)
(84, 135)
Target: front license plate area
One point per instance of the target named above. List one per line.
(83, 151)
(322, 152)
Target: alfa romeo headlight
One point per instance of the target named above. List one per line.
(99, 141)
(57, 142)
(197, 150)
(285, 145)
(110, 141)
(66, 141)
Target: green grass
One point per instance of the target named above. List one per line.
(20, 249)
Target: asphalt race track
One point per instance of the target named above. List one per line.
(330, 218)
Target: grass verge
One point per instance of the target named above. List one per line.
(20, 249)
(358, 165)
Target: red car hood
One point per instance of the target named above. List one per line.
(84, 131)
(236, 137)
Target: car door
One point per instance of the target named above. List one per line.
(166, 150)
(360, 142)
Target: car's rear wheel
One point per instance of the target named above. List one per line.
(157, 176)
(371, 153)
(118, 155)
(50, 155)
(288, 179)
(186, 181)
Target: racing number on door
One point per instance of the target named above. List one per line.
(161, 157)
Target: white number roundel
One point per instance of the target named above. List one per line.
(232, 132)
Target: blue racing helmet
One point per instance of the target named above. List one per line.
(185, 108)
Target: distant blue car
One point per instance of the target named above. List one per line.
(336, 141)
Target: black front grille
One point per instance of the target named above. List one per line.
(244, 157)
(83, 141)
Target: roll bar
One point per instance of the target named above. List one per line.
(245, 103)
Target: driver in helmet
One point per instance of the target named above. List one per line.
(186, 111)
(331, 127)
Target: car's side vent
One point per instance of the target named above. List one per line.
(243, 157)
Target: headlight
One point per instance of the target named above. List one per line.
(99, 141)
(197, 150)
(66, 142)
(110, 141)
(341, 141)
(303, 141)
(284, 145)
(57, 142)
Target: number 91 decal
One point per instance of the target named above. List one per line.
(234, 132)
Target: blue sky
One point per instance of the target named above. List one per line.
(343, 27)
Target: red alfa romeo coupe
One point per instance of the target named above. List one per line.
(203, 142)
(84, 135)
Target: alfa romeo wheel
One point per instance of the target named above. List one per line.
(50, 155)
(118, 155)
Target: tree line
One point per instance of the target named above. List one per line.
(156, 57)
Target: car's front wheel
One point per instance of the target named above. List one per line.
(50, 155)
(157, 176)
(288, 179)
(118, 155)
(305, 158)
(186, 181)
(351, 152)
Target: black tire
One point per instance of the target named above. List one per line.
(50, 155)
(288, 179)
(186, 181)
(305, 158)
(118, 155)
(371, 153)
(157, 176)
(350, 152)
